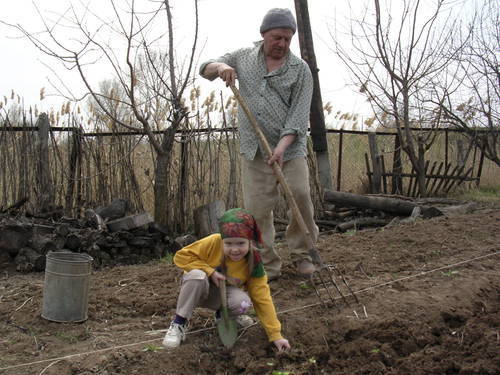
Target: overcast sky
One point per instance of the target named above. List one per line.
(225, 25)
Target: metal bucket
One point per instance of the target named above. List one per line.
(66, 287)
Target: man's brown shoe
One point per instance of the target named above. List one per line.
(305, 268)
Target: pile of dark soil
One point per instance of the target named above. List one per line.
(429, 297)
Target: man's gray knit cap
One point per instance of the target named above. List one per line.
(278, 18)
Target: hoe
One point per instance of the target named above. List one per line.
(326, 275)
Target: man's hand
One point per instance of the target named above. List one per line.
(216, 277)
(282, 345)
(279, 151)
(226, 73)
(277, 157)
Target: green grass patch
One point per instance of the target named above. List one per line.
(168, 258)
(450, 273)
(71, 339)
(488, 194)
(305, 285)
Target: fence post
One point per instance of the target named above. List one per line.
(74, 160)
(339, 166)
(45, 189)
(23, 184)
(377, 175)
(446, 146)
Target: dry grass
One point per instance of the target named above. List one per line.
(123, 167)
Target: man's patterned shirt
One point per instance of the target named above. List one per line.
(279, 100)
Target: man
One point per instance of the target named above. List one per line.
(277, 86)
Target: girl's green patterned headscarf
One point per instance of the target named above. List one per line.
(238, 222)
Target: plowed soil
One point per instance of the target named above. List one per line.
(429, 298)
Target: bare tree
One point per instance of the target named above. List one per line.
(476, 106)
(152, 81)
(397, 56)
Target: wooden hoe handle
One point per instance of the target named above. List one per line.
(277, 170)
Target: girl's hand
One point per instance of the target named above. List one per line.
(282, 344)
(216, 277)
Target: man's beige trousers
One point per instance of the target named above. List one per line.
(260, 195)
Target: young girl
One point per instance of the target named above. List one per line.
(230, 255)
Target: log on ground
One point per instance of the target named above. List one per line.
(396, 206)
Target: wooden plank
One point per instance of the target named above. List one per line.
(410, 181)
(339, 161)
(434, 182)
(446, 146)
(368, 172)
(429, 178)
(455, 176)
(460, 179)
(451, 176)
(443, 179)
(384, 175)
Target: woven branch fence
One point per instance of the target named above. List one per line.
(87, 170)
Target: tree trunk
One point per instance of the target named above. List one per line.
(161, 188)
(375, 158)
(102, 180)
(318, 132)
(183, 180)
(421, 169)
(397, 167)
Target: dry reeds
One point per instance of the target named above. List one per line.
(88, 170)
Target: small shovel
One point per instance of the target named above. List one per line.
(227, 328)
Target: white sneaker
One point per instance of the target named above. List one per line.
(175, 335)
(244, 321)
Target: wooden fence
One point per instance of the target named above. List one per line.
(84, 170)
(452, 162)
